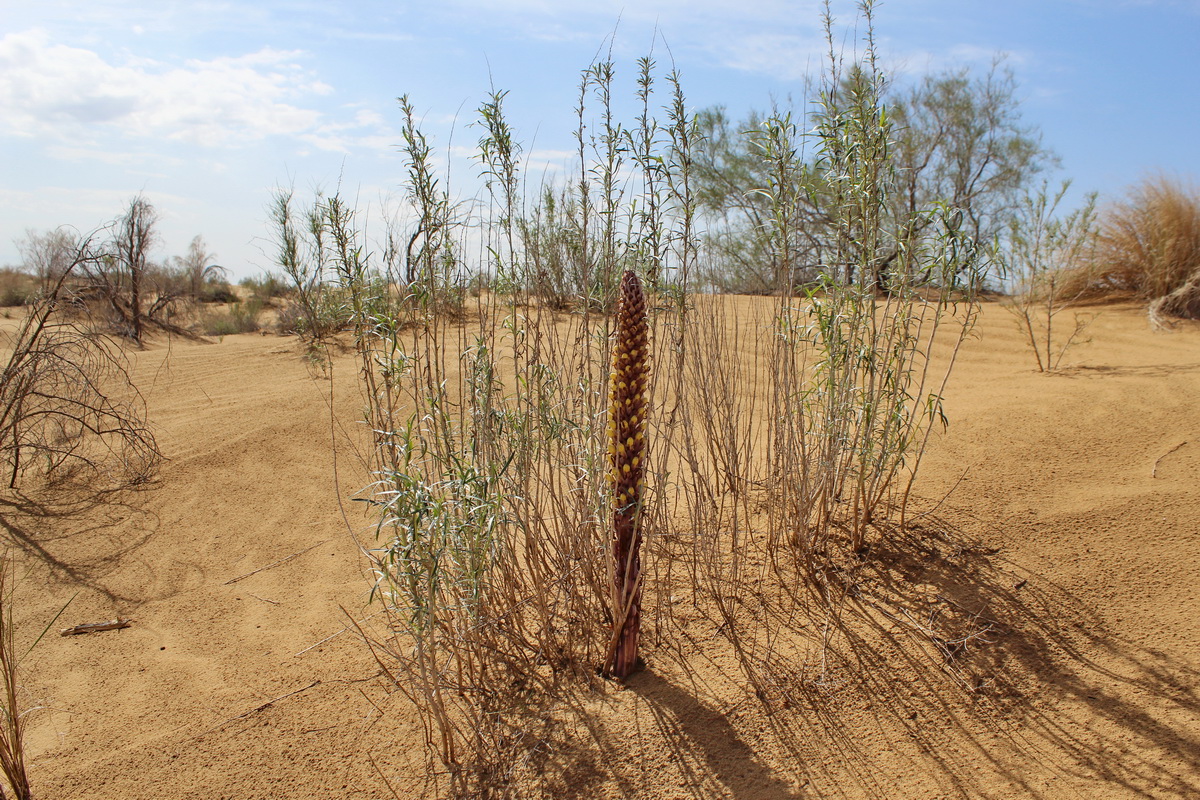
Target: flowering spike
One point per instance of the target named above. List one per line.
(627, 412)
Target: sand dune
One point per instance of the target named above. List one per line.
(1078, 494)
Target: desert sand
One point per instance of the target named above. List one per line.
(1070, 500)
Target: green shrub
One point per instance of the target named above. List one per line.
(267, 286)
(240, 317)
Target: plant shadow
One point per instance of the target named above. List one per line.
(1027, 677)
(82, 536)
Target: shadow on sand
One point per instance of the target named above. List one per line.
(943, 670)
(82, 537)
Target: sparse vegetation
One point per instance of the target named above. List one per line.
(239, 317)
(266, 287)
(1149, 248)
(562, 538)
(490, 444)
(67, 407)
(306, 253)
(1041, 251)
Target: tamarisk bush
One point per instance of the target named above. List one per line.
(520, 515)
(627, 454)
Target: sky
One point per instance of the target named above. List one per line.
(206, 108)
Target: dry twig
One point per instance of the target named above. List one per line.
(275, 563)
(95, 627)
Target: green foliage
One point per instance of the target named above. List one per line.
(266, 286)
(1040, 252)
(955, 139)
(856, 364)
(317, 247)
(240, 317)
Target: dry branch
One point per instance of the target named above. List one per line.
(275, 563)
(258, 708)
(67, 402)
(95, 627)
(1154, 471)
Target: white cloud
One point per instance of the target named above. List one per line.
(784, 56)
(57, 91)
(122, 158)
(726, 33)
(915, 63)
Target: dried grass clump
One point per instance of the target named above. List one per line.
(1149, 247)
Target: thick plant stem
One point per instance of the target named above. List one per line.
(627, 455)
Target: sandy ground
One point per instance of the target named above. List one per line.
(1078, 493)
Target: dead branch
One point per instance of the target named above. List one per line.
(67, 400)
(1154, 471)
(275, 563)
(257, 709)
(96, 627)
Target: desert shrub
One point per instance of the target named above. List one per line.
(240, 317)
(1039, 252)
(314, 323)
(67, 405)
(1148, 247)
(498, 515)
(17, 288)
(855, 361)
(217, 292)
(267, 286)
(482, 420)
(311, 248)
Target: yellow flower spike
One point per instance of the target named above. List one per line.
(628, 412)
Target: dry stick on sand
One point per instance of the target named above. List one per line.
(1154, 471)
(627, 453)
(258, 708)
(275, 563)
(94, 627)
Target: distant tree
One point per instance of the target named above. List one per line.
(119, 277)
(957, 140)
(47, 256)
(960, 141)
(135, 235)
(197, 267)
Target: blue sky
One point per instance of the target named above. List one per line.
(205, 106)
